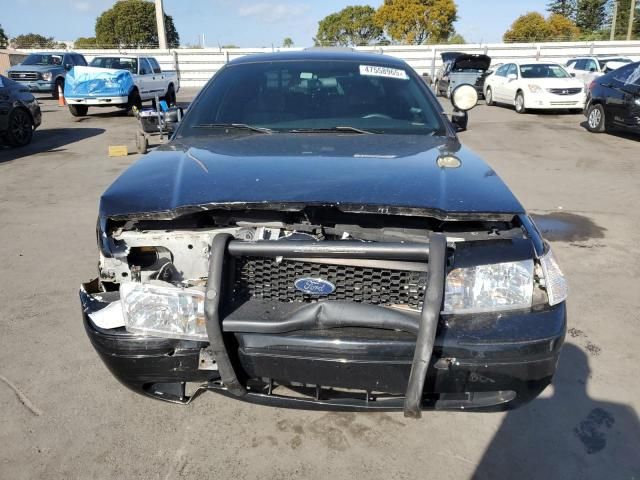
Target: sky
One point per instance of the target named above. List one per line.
(246, 23)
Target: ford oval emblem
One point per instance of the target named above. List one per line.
(314, 286)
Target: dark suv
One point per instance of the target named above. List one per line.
(613, 100)
(315, 236)
(45, 72)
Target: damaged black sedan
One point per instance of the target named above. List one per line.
(315, 236)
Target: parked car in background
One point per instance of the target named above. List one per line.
(447, 58)
(535, 85)
(315, 236)
(120, 81)
(45, 72)
(19, 113)
(463, 69)
(589, 68)
(613, 100)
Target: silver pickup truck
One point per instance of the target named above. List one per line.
(148, 80)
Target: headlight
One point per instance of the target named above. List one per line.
(554, 281)
(46, 76)
(637, 101)
(488, 288)
(534, 88)
(160, 311)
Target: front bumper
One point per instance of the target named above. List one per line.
(479, 362)
(553, 102)
(38, 86)
(99, 101)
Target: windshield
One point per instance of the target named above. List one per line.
(117, 63)
(43, 59)
(543, 71)
(314, 95)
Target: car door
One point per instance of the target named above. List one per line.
(511, 83)
(144, 80)
(159, 86)
(623, 102)
(497, 83)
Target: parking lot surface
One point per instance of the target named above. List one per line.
(64, 416)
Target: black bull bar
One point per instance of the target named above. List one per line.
(435, 253)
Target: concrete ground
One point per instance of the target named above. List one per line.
(63, 416)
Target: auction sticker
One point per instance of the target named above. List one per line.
(375, 71)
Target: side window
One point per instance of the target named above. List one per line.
(502, 71)
(145, 69)
(571, 63)
(154, 65)
(513, 70)
(591, 65)
(629, 75)
(581, 64)
(67, 60)
(79, 60)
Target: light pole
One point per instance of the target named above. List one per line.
(162, 33)
(632, 14)
(614, 20)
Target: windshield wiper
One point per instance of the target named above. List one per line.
(334, 129)
(238, 126)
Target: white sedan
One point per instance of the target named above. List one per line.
(535, 85)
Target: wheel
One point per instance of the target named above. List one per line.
(135, 102)
(488, 97)
(170, 97)
(78, 110)
(142, 144)
(20, 129)
(520, 108)
(59, 83)
(596, 119)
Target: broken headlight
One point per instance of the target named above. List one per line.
(554, 281)
(163, 311)
(488, 288)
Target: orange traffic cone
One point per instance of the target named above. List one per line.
(61, 100)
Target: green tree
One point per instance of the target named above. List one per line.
(622, 23)
(562, 28)
(85, 42)
(456, 39)
(353, 25)
(132, 23)
(591, 15)
(33, 40)
(418, 21)
(3, 38)
(287, 42)
(566, 8)
(530, 27)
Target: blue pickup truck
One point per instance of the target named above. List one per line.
(44, 71)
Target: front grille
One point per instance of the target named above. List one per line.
(23, 76)
(565, 91)
(268, 279)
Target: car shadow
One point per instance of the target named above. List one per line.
(616, 133)
(567, 435)
(48, 140)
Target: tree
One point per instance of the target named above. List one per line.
(85, 42)
(566, 8)
(456, 39)
(622, 23)
(591, 15)
(132, 23)
(562, 28)
(418, 21)
(33, 40)
(353, 25)
(287, 42)
(3, 38)
(530, 27)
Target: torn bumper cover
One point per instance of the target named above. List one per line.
(342, 356)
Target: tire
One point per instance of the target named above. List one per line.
(142, 144)
(436, 88)
(519, 103)
(596, 119)
(170, 97)
(60, 83)
(488, 97)
(20, 128)
(135, 102)
(78, 110)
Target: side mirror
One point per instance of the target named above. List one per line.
(573, 74)
(464, 98)
(68, 67)
(592, 69)
(512, 76)
(460, 120)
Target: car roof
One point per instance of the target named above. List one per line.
(321, 54)
(532, 61)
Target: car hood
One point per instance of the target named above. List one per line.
(34, 68)
(395, 174)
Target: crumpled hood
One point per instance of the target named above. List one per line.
(376, 173)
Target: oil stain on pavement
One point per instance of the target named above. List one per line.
(592, 431)
(568, 227)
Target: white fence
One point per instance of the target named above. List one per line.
(196, 66)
